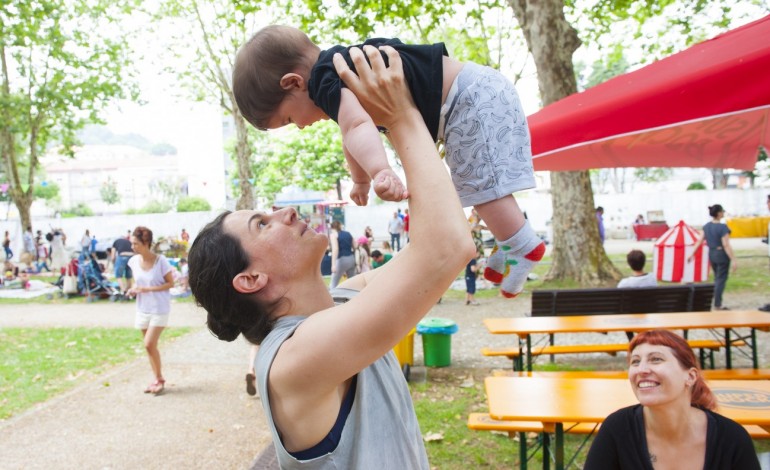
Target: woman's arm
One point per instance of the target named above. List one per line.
(697, 246)
(729, 251)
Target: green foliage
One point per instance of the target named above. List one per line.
(607, 67)
(192, 204)
(79, 210)
(652, 175)
(696, 186)
(153, 207)
(63, 62)
(36, 364)
(48, 192)
(109, 192)
(309, 159)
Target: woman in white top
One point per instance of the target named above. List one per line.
(153, 278)
(59, 258)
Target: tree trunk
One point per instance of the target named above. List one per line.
(577, 250)
(243, 155)
(719, 178)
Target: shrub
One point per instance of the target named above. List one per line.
(192, 204)
(154, 207)
(696, 186)
(80, 210)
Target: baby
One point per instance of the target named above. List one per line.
(280, 77)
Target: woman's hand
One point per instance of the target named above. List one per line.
(381, 90)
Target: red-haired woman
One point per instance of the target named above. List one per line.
(674, 425)
(153, 278)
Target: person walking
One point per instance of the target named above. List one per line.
(7, 245)
(600, 222)
(122, 251)
(153, 278)
(395, 228)
(343, 256)
(471, 270)
(716, 235)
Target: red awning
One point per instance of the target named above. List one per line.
(705, 107)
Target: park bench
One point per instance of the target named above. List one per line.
(609, 301)
(708, 374)
(706, 348)
(484, 422)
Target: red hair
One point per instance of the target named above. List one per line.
(700, 395)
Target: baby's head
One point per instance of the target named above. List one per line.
(260, 64)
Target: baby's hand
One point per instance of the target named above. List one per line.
(360, 193)
(389, 187)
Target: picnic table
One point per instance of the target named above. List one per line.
(556, 401)
(525, 327)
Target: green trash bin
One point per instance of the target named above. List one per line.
(437, 340)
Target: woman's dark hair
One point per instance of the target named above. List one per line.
(260, 64)
(214, 260)
(143, 234)
(700, 394)
(715, 210)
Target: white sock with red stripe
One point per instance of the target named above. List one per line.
(512, 260)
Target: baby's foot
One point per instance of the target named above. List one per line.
(389, 187)
(512, 260)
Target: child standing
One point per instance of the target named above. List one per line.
(470, 281)
(280, 77)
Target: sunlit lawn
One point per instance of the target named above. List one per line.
(36, 364)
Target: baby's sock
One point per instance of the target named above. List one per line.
(511, 260)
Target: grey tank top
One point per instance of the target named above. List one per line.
(381, 430)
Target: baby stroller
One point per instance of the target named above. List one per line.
(92, 283)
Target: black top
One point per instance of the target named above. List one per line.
(423, 69)
(344, 244)
(713, 233)
(122, 245)
(622, 444)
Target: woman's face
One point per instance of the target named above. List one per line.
(137, 246)
(656, 376)
(277, 242)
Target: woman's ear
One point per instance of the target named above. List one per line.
(249, 283)
(292, 81)
(692, 376)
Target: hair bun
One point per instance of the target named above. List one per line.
(222, 330)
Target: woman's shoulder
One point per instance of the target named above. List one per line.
(623, 416)
(725, 425)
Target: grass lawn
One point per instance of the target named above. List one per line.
(38, 363)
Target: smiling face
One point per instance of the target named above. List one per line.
(657, 377)
(278, 244)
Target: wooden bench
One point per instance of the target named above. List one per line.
(608, 301)
(513, 353)
(484, 422)
(708, 374)
(613, 300)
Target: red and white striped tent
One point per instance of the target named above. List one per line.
(671, 252)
